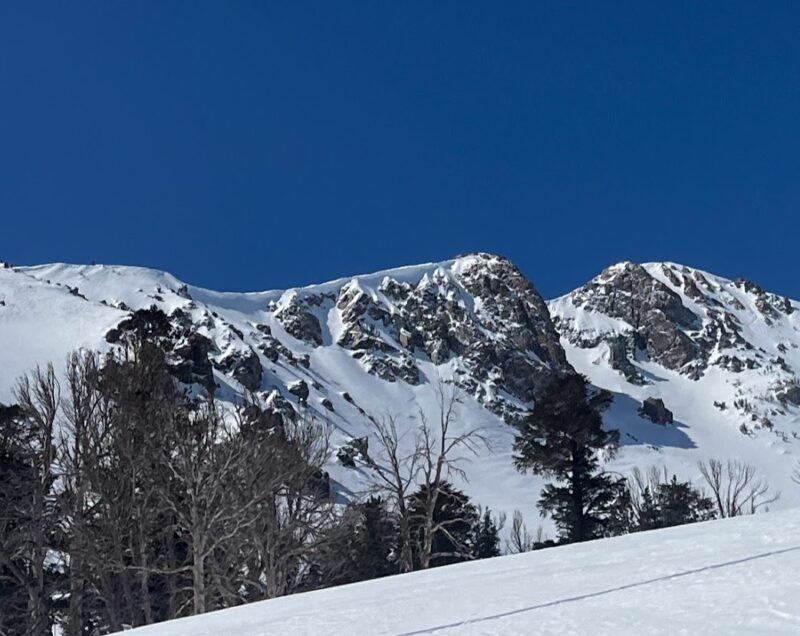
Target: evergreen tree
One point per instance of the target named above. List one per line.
(362, 546)
(374, 541)
(486, 537)
(454, 520)
(674, 503)
(561, 439)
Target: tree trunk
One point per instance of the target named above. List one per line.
(199, 581)
(576, 482)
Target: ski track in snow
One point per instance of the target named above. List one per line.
(730, 576)
(612, 590)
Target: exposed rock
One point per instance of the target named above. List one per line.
(300, 322)
(299, 389)
(192, 361)
(244, 366)
(654, 410)
(656, 313)
(485, 311)
(618, 358)
(356, 449)
(327, 404)
(265, 329)
(788, 392)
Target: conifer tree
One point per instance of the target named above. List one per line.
(486, 536)
(561, 439)
(454, 518)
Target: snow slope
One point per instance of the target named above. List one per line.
(733, 576)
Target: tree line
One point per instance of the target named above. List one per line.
(127, 498)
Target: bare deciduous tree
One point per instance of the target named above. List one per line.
(435, 454)
(442, 450)
(25, 543)
(395, 474)
(520, 539)
(735, 487)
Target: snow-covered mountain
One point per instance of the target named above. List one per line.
(722, 356)
(732, 576)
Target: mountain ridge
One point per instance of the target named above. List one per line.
(356, 348)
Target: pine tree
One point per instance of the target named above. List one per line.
(454, 518)
(654, 500)
(561, 439)
(486, 537)
(374, 541)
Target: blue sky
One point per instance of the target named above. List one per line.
(253, 145)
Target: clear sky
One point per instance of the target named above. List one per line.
(254, 145)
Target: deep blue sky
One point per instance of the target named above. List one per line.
(252, 145)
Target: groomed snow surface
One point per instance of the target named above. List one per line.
(732, 576)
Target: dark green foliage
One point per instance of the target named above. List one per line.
(16, 477)
(374, 540)
(486, 536)
(586, 511)
(672, 503)
(561, 439)
(454, 519)
(360, 547)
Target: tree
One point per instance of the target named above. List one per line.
(361, 546)
(486, 535)
(282, 482)
(736, 488)
(373, 541)
(441, 451)
(519, 540)
(429, 455)
(655, 500)
(28, 515)
(448, 535)
(394, 474)
(16, 485)
(561, 438)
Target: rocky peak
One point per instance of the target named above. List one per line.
(654, 314)
(477, 312)
(632, 316)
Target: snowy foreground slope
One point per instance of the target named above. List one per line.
(733, 576)
(724, 356)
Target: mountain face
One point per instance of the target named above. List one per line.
(718, 359)
(705, 328)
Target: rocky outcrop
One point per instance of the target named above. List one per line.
(655, 411)
(188, 352)
(357, 449)
(620, 351)
(627, 292)
(300, 322)
(244, 366)
(482, 312)
(299, 389)
(735, 334)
